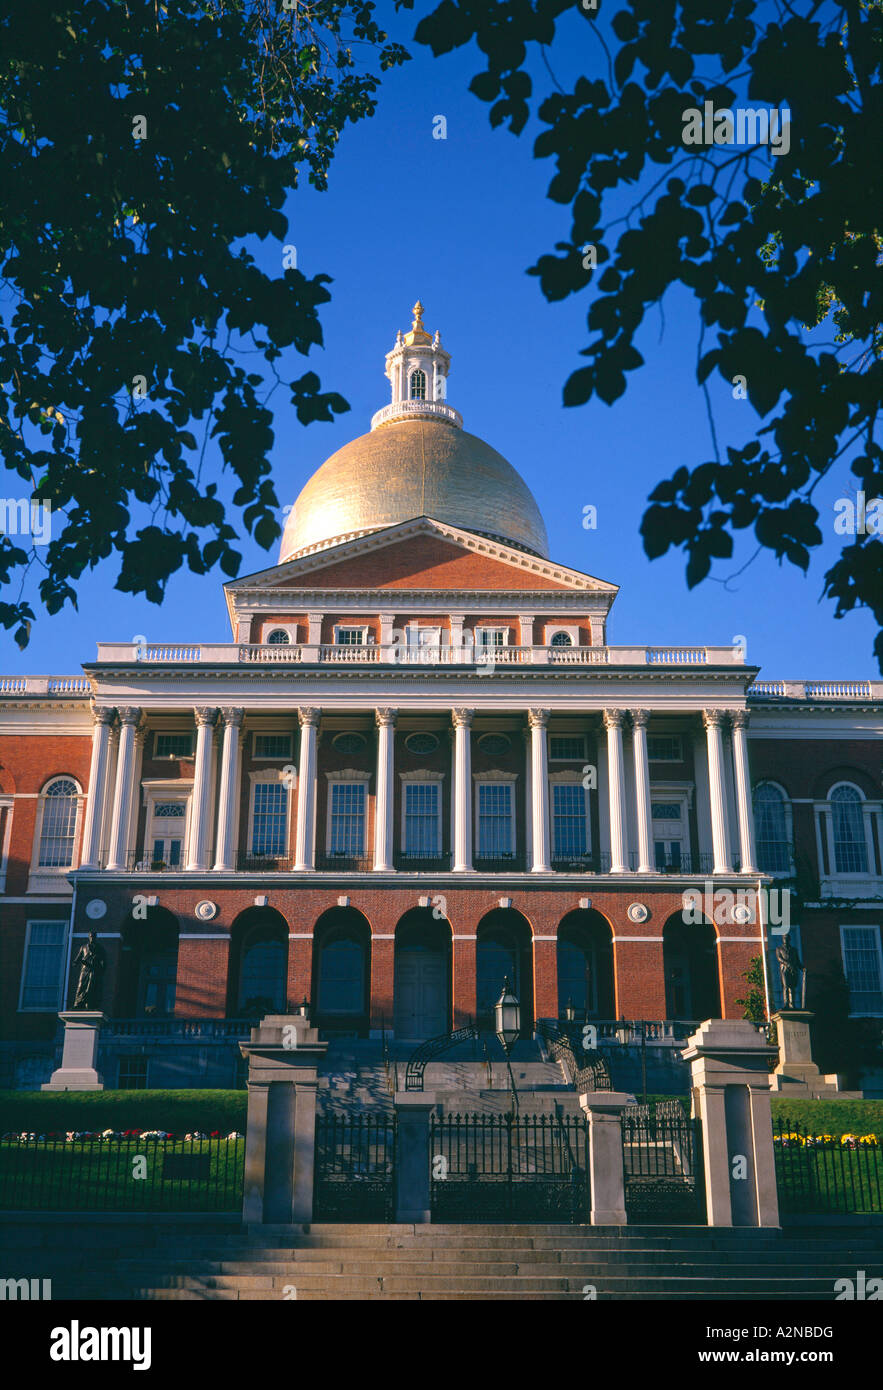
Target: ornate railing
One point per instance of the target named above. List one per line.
(434, 1047)
(586, 1069)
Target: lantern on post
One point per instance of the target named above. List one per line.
(507, 1026)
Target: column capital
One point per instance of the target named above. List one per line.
(739, 718)
(462, 718)
(232, 716)
(538, 718)
(103, 714)
(614, 718)
(129, 714)
(205, 715)
(385, 718)
(713, 718)
(308, 718)
(640, 718)
(140, 735)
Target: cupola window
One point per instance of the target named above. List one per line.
(418, 386)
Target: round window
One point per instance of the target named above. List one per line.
(278, 638)
(494, 745)
(421, 743)
(349, 743)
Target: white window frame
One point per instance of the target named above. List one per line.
(672, 791)
(568, 779)
(417, 777)
(349, 774)
(663, 734)
(53, 872)
(171, 733)
(482, 628)
(266, 777)
(789, 824)
(580, 757)
(165, 789)
(848, 926)
(352, 627)
(65, 937)
(290, 628)
(549, 630)
(7, 804)
(257, 757)
(507, 779)
(834, 881)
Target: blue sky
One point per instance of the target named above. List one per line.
(457, 222)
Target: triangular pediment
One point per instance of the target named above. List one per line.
(421, 555)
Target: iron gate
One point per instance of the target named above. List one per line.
(354, 1168)
(486, 1168)
(662, 1158)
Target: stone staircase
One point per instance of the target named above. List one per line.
(209, 1260)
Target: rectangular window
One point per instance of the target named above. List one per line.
(350, 637)
(495, 820)
(566, 748)
(269, 828)
(491, 636)
(43, 967)
(347, 819)
(664, 748)
(133, 1074)
(422, 820)
(863, 968)
(172, 745)
(272, 745)
(569, 823)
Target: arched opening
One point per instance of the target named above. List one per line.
(278, 637)
(58, 825)
(692, 983)
(503, 950)
(771, 829)
(149, 966)
(848, 830)
(417, 385)
(585, 966)
(257, 980)
(561, 639)
(341, 972)
(422, 983)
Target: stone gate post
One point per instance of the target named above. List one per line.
(731, 1096)
(283, 1054)
(413, 1112)
(603, 1110)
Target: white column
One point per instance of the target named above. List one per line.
(305, 844)
(200, 806)
(102, 720)
(225, 848)
(743, 790)
(383, 801)
(713, 720)
(462, 719)
(640, 718)
(613, 721)
(122, 792)
(539, 720)
(528, 795)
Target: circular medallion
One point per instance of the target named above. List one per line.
(638, 912)
(96, 909)
(206, 911)
(742, 914)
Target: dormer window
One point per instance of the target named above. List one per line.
(418, 385)
(278, 637)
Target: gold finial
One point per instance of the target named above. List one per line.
(418, 333)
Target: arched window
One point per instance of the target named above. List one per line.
(262, 975)
(771, 828)
(848, 830)
(418, 385)
(278, 637)
(59, 824)
(561, 639)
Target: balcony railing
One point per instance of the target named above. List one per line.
(248, 862)
(422, 863)
(400, 654)
(177, 1029)
(500, 863)
(344, 863)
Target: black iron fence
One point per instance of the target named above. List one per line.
(354, 1168)
(662, 1159)
(486, 1168)
(827, 1173)
(133, 1172)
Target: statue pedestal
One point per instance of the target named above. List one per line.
(79, 1054)
(796, 1073)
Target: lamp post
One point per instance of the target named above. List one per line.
(569, 1011)
(507, 1026)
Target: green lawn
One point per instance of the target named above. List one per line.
(127, 1175)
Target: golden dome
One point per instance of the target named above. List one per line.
(411, 468)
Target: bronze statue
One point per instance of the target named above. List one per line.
(789, 969)
(90, 959)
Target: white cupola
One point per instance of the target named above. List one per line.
(417, 369)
